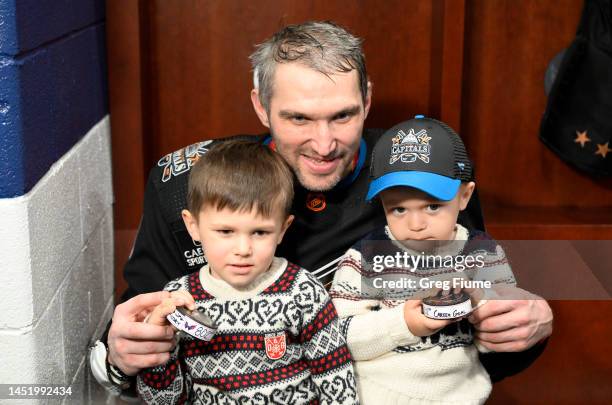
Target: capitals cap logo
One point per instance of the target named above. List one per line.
(408, 147)
(276, 345)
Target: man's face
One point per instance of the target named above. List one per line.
(316, 122)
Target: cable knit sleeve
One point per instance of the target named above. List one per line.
(370, 330)
(165, 384)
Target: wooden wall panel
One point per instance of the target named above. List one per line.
(125, 92)
(509, 44)
(576, 366)
(200, 74)
(527, 191)
(130, 168)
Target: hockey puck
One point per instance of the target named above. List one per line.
(194, 323)
(449, 306)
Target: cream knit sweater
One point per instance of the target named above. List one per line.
(391, 364)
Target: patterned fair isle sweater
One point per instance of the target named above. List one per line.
(392, 366)
(278, 342)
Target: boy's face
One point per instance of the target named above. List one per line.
(413, 215)
(239, 246)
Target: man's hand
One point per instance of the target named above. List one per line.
(180, 298)
(513, 323)
(134, 345)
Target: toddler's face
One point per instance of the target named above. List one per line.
(413, 215)
(239, 246)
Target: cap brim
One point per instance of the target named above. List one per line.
(440, 187)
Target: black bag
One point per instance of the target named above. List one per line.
(577, 124)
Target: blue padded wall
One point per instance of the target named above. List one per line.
(29, 24)
(53, 86)
(8, 27)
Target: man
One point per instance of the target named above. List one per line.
(312, 91)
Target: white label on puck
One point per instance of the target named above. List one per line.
(447, 311)
(190, 326)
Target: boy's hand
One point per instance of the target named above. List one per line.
(179, 298)
(419, 324)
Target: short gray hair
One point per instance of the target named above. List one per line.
(323, 46)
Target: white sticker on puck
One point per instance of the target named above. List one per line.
(447, 311)
(190, 326)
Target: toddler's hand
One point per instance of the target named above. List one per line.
(419, 324)
(179, 298)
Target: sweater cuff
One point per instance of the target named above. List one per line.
(395, 325)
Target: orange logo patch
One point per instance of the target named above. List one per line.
(316, 202)
(276, 345)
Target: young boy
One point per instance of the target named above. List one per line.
(278, 338)
(422, 174)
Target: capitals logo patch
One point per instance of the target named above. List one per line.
(181, 161)
(276, 345)
(408, 147)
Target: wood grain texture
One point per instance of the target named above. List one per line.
(124, 82)
(200, 89)
(575, 368)
(527, 191)
(509, 44)
(451, 76)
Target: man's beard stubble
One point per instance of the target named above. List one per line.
(326, 183)
(330, 182)
(332, 179)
